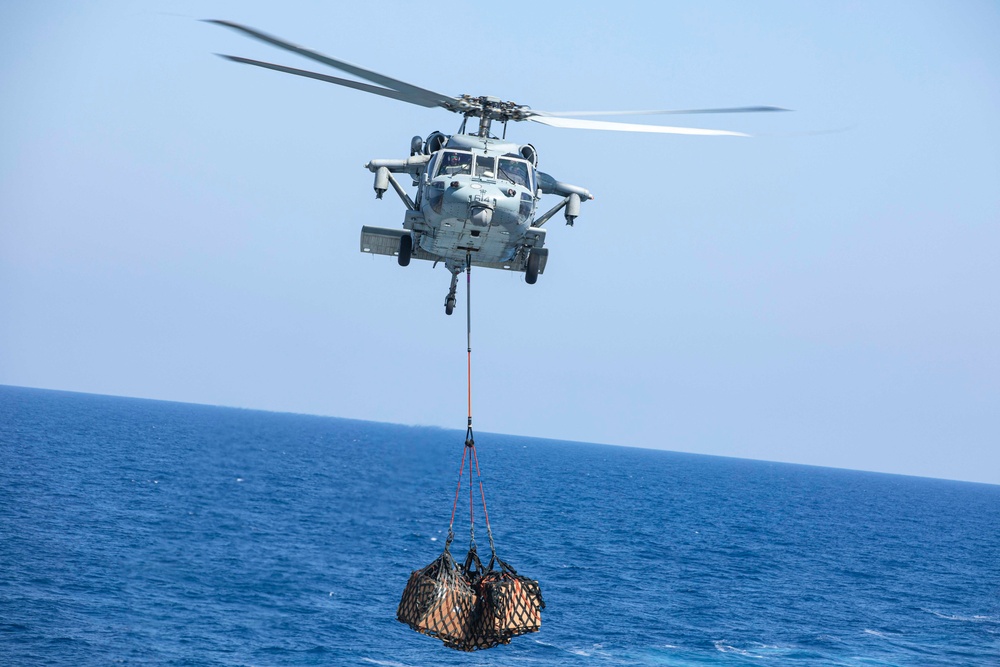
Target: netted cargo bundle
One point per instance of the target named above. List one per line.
(509, 604)
(470, 607)
(439, 601)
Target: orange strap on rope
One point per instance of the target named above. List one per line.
(468, 330)
(469, 439)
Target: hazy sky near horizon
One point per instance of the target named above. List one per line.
(176, 226)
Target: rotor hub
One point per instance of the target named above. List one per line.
(492, 108)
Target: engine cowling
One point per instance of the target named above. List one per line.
(435, 142)
(529, 153)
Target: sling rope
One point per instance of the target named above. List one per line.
(470, 442)
(467, 605)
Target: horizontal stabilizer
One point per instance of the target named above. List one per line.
(519, 263)
(384, 241)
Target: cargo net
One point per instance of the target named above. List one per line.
(468, 606)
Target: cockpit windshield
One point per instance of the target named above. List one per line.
(515, 171)
(510, 169)
(455, 162)
(486, 166)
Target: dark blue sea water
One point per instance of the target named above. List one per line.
(143, 532)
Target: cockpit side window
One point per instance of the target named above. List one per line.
(455, 162)
(432, 166)
(514, 171)
(486, 166)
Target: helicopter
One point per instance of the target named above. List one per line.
(477, 193)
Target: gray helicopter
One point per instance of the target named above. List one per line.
(476, 193)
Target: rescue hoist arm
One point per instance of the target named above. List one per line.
(551, 212)
(383, 170)
(572, 197)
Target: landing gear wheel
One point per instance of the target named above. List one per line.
(531, 271)
(405, 249)
(449, 307)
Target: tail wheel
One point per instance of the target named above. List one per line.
(531, 271)
(405, 249)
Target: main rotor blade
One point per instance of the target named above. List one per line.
(580, 124)
(407, 92)
(655, 112)
(357, 85)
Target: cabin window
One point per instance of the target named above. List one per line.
(527, 206)
(455, 162)
(435, 196)
(486, 166)
(514, 171)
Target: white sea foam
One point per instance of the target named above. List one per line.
(977, 618)
(585, 653)
(384, 663)
(722, 647)
(754, 650)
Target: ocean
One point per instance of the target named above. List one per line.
(155, 533)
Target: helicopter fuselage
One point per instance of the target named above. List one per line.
(475, 205)
(477, 197)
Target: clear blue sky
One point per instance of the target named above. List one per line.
(175, 226)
